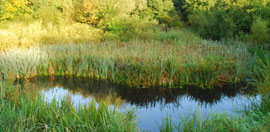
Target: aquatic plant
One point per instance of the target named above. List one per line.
(254, 118)
(19, 113)
(136, 63)
(263, 74)
(194, 122)
(166, 125)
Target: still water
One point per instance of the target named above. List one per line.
(151, 105)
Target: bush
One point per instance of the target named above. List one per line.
(260, 31)
(117, 19)
(127, 28)
(211, 25)
(14, 9)
(222, 19)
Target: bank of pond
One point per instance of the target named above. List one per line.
(188, 85)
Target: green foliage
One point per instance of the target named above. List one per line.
(122, 19)
(218, 19)
(118, 19)
(260, 31)
(127, 28)
(164, 12)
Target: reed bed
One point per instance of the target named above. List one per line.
(135, 63)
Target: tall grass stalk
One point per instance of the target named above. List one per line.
(192, 123)
(167, 125)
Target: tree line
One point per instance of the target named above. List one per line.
(212, 19)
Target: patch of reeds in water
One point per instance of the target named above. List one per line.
(136, 63)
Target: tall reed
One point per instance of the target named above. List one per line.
(136, 63)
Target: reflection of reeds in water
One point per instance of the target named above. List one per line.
(112, 99)
(109, 97)
(148, 97)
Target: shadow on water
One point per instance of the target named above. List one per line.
(152, 104)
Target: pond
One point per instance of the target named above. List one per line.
(151, 105)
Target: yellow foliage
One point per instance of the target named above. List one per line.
(14, 8)
(26, 35)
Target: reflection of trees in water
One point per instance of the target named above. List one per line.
(142, 97)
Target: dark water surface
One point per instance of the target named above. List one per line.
(151, 104)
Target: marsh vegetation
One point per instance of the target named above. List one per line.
(161, 47)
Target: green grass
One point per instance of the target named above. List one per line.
(166, 125)
(22, 112)
(263, 74)
(256, 118)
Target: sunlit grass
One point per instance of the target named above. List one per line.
(134, 63)
(174, 58)
(23, 35)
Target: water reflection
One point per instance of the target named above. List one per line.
(152, 104)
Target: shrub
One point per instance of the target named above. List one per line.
(260, 31)
(222, 19)
(14, 9)
(127, 28)
(117, 19)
